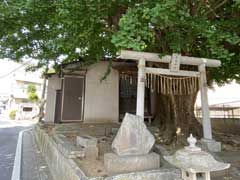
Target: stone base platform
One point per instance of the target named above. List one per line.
(211, 145)
(115, 164)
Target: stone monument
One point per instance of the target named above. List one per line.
(131, 148)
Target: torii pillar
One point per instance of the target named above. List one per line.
(141, 88)
(206, 121)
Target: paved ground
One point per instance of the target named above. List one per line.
(8, 140)
(234, 172)
(33, 166)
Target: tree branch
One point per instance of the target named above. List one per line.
(216, 7)
(220, 4)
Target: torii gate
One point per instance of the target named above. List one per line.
(174, 62)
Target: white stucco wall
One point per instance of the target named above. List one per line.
(101, 98)
(54, 83)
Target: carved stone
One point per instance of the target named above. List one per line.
(133, 137)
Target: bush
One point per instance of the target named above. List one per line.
(31, 88)
(12, 114)
(33, 97)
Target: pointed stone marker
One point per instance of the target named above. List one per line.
(133, 137)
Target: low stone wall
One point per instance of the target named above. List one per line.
(226, 125)
(80, 129)
(63, 168)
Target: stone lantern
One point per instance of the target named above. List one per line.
(194, 162)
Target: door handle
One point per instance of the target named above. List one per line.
(79, 98)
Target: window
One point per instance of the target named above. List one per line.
(27, 109)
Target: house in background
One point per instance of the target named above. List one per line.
(14, 92)
(77, 93)
(19, 99)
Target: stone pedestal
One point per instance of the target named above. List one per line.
(211, 145)
(89, 145)
(115, 164)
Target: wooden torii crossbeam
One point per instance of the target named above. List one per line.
(174, 62)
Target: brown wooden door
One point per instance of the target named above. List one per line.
(73, 98)
(58, 106)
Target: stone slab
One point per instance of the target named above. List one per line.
(86, 141)
(161, 174)
(211, 145)
(71, 151)
(67, 147)
(115, 164)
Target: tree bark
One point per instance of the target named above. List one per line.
(42, 103)
(43, 100)
(175, 117)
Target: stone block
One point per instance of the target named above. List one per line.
(91, 152)
(67, 147)
(115, 164)
(86, 141)
(89, 145)
(211, 145)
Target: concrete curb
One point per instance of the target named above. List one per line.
(16, 173)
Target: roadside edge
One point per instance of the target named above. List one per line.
(16, 173)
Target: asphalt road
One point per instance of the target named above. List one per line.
(9, 131)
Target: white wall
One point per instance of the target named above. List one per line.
(54, 83)
(101, 98)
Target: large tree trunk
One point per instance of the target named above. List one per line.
(175, 117)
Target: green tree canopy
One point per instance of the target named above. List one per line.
(66, 30)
